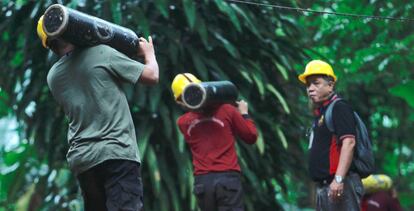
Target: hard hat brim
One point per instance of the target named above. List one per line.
(302, 77)
(41, 32)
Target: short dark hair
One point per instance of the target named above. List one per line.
(328, 78)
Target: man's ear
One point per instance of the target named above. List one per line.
(331, 83)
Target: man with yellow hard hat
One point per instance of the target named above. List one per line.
(339, 187)
(103, 152)
(210, 134)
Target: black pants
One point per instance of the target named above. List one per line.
(112, 185)
(219, 191)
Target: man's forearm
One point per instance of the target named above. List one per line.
(345, 159)
(151, 62)
(150, 74)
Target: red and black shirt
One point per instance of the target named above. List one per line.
(211, 137)
(325, 146)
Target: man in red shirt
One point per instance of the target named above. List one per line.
(210, 133)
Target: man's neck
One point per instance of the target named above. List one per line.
(326, 99)
(67, 49)
(316, 107)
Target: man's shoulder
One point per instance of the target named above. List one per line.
(101, 48)
(342, 104)
(227, 107)
(55, 67)
(101, 53)
(343, 112)
(185, 119)
(50, 73)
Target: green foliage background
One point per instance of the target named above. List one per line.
(260, 49)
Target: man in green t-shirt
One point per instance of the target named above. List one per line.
(103, 151)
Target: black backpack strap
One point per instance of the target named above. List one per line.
(328, 115)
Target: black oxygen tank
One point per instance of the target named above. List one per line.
(202, 95)
(84, 30)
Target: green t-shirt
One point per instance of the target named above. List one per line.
(87, 84)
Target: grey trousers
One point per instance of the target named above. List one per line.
(350, 200)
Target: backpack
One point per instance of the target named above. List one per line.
(363, 159)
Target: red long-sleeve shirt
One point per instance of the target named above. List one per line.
(211, 138)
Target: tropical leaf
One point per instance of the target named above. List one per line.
(162, 6)
(279, 97)
(404, 91)
(190, 12)
(260, 143)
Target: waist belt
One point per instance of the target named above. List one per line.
(324, 182)
(329, 180)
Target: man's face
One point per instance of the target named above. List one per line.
(318, 89)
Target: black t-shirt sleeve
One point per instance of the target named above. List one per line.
(343, 120)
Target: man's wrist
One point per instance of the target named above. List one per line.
(339, 179)
(149, 58)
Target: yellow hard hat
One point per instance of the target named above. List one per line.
(377, 182)
(40, 32)
(317, 67)
(180, 82)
